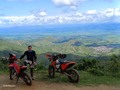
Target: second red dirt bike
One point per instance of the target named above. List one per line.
(18, 71)
(62, 67)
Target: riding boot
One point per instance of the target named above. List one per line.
(31, 73)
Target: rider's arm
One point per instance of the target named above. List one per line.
(23, 55)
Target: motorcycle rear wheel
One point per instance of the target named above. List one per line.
(74, 76)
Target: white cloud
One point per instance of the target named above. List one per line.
(60, 20)
(71, 5)
(117, 12)
(43, 13)
(108, 15)
(108, 12)
(67, 2)
(17, 20)
(91, 12)
(39, 13)
(1, 22)
(78, 14)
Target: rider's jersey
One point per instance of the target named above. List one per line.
(31, 55)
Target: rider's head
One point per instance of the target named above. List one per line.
(29, 47)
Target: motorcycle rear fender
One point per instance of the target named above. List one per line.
(67, 65)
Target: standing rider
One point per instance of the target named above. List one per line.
(31, 56)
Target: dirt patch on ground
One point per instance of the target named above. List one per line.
(43, 85)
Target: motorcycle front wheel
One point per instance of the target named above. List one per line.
(51, 71)
(12, 73)
(26, 79)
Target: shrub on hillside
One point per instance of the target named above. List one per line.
(86, 64)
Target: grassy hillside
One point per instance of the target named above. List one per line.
(83, 46)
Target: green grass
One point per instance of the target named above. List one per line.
(3, 72)
(43, 76)
(86, 79)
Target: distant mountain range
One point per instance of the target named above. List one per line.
(35, 32)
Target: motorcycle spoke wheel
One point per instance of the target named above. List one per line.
(12, 74)
(26, 79)
(73, 76)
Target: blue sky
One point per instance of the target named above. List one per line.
(24, 7)
(12, 10)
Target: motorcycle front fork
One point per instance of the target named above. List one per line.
(18, 76)
(17, 79)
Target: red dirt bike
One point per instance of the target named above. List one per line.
(18, 71)
(64, 67)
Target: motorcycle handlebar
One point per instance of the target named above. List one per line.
(55, 56)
